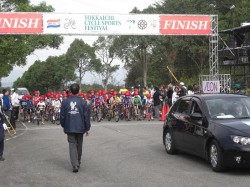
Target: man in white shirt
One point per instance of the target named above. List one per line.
(15, 104)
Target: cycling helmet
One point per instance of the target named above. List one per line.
(148, 95)
(127, 93)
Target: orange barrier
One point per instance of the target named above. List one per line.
(165, 110)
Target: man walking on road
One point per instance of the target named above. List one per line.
(75, 120)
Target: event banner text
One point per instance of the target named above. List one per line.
(104, 24)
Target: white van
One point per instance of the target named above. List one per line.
(21, 92)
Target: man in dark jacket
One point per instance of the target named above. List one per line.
(75, 120)
(157, 102)
(3, 126)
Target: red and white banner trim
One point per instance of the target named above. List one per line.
(21, 23)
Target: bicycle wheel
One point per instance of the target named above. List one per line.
(99, 115)
(117, 116)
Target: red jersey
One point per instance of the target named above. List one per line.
(36, 100)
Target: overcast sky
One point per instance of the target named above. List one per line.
(79, 6)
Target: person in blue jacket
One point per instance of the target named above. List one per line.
(75, 120)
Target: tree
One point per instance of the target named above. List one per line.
(83, 57)
(15, 48)
(105, 52)
(135, 49)
(52, 74)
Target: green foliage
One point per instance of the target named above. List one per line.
(106, 52)
(51, 75)
(82, 57)
(15, 48)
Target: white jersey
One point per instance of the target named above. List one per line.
(57, 103)
(41, 105)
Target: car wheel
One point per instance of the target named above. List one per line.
(215, 157)
(169, 143)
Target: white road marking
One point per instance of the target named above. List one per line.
(16, 136)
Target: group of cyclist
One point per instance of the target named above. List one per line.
(41, 107)
(122, 104)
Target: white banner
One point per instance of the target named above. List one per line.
(101, 24)
(211, 86)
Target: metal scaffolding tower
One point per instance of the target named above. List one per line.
(213, 47)
(225, 79)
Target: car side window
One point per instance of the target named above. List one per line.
(184, 106)
(174, 107)
(195, 108)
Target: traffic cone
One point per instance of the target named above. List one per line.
(163, 113)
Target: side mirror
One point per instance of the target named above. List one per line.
(196, 116)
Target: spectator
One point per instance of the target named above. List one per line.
(15, 104)
(190, 90)
(238, 91)
(157, 102)
(163, 94)
(182, 89)
(175, 95)
(6, 106)
(196, 89)
(123, 89)
(169, 95)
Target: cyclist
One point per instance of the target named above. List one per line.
(57, 102)
(137, 103)
(36, 97)
(149, 106)
(56, 106)
(92, 92)
(127, 102)
(41, 107)
(115, 99)
(30, 107)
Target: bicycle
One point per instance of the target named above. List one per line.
(136, 112)
(38, 116)
(56, 116)
(116, 112)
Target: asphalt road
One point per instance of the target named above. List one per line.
(128, 154)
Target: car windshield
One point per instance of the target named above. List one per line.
(23, 92)
(229, 107)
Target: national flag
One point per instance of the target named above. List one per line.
(53, 23)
